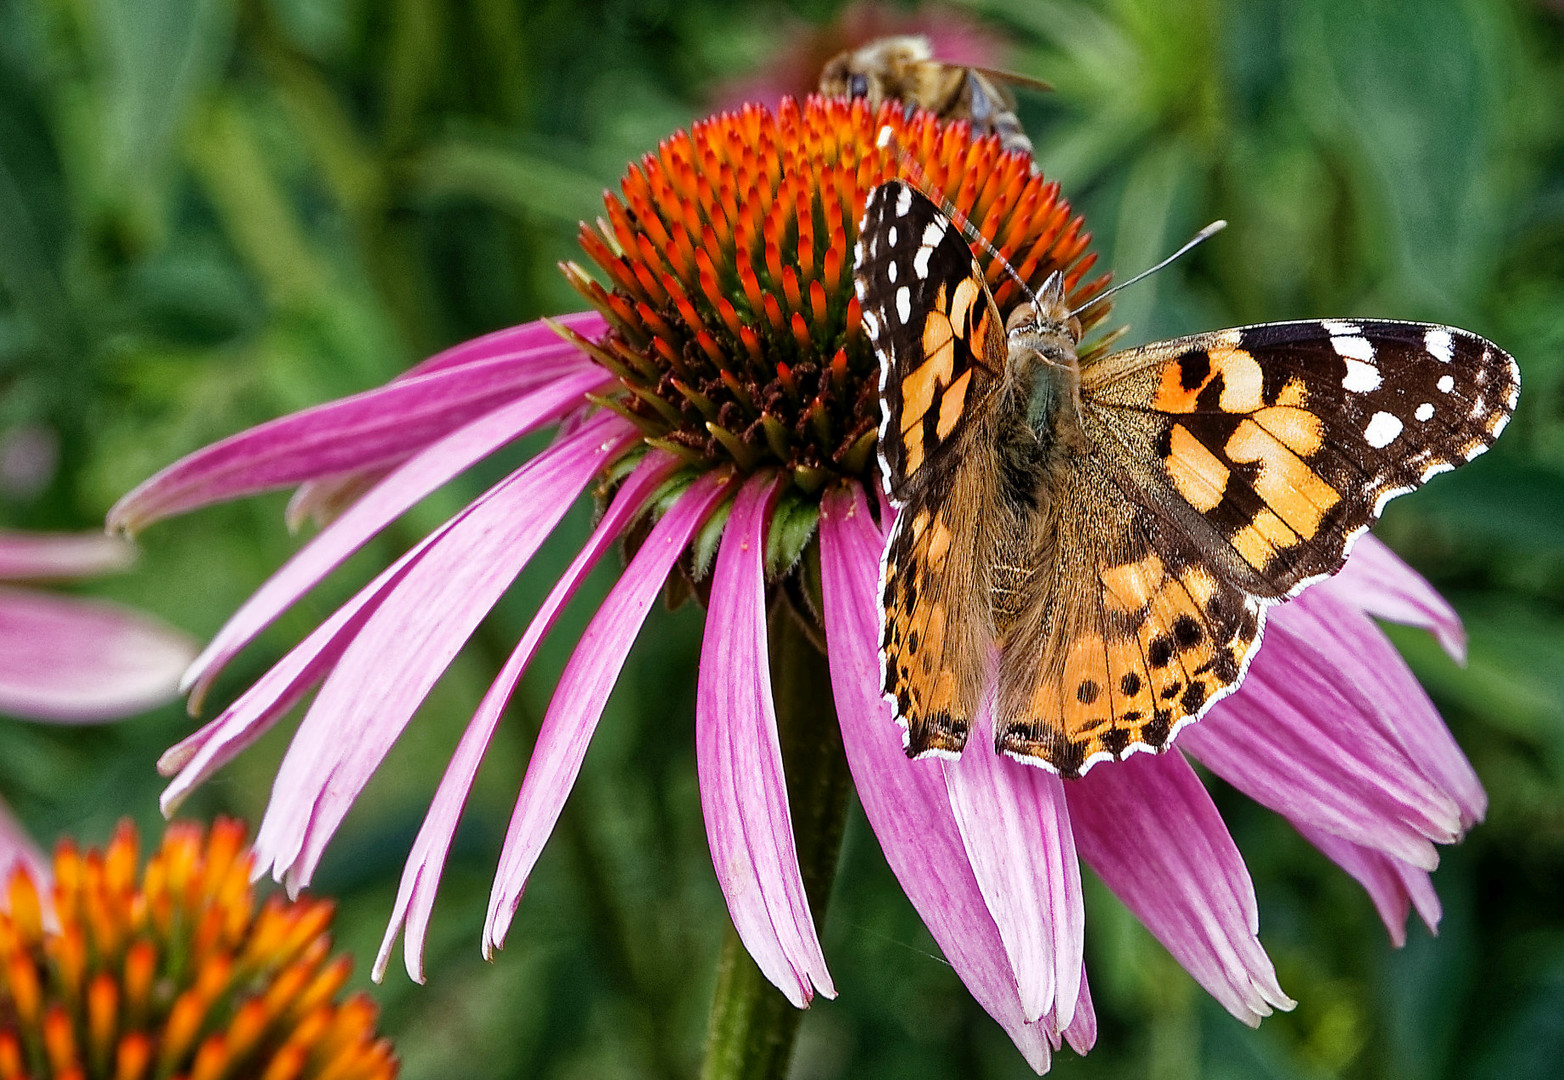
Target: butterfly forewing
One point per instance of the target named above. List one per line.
(1287, 439)
(931, 320)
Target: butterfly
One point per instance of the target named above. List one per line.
(903, 68)
(1096, 543)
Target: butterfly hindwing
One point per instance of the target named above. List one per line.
(1128, 633)
(933, 323)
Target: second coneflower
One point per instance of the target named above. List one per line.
(724, 397)
(110, 973)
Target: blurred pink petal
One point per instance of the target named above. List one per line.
(69, 660)
(1148, 828)
(739, 761)
(404, 487)
(359, 432)
(396, 657)
(1394, 886)
(582, 693)
(426, 861)
(906, 801)
(61, 555)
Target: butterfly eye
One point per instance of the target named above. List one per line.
(858, 86)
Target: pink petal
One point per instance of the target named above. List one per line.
(1401, 708)
(323, 501)
(18, 852)
(1148, 828)
(1303, 737)
(68, 660)
(1016, 831)
(357, 432)
(749, 824)
(1393, 886)
(407, 644)
(426, 861)
(61, 555)
(582, 693)
(270, 697)
(510, 343)
(906, 801)
(1375, 580)
(403, 488)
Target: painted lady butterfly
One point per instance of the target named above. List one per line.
(1114, 530)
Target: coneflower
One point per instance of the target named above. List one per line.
(722, 397)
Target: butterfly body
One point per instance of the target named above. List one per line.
(1092, 547)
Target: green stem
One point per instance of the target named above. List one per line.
(753, 1028)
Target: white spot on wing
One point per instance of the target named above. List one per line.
(890, 236)
(920, 262)
(871, 323)
(890, 270)
(934, 232)
(904, 305)
(1438, 342)
(1340, 327)
(1424, 412)
(1353, 348)
(1382, 430)
(1446, 383)
(1361, 377)
(903, 202)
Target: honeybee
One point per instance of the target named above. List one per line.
(903, 68)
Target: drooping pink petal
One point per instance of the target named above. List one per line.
(1400, 706)
(906, 801)
(1303, 738)
(268, 699)
(358, 432)
(1375, 580)
(1393, 886)
(1150, 830)
(1016, 831)
(18, 850)
(426, 861)
(738, 757)
(61, 555)
(582, 693)
(404, 647)
(393, 496)
(68, 660)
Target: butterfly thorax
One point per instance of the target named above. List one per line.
(1038, 432)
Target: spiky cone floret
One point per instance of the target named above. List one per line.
(734, 330)
(175, 975)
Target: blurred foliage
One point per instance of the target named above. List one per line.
(215, 211)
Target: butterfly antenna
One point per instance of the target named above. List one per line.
(1199, 238)
(914, 171)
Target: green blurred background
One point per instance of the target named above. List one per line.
(216, 211)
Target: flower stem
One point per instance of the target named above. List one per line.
(753, 1028)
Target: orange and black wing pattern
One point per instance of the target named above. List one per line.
(940, 340)
(1279, 444)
